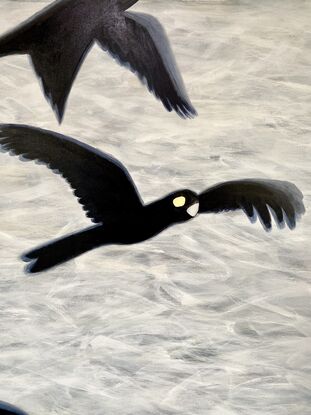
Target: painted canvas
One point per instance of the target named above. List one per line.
(155, 246)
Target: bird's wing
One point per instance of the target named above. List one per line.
(57, 40)
(102, 185)
(283, 199)
(138, 41)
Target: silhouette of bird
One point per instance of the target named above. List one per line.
(7, 409)
(109, 196)
(59, 37)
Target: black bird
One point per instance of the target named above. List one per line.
(109, 196)
(59, 37)
(7, 409)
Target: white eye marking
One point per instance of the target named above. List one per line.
(193, 210)
(179, 201)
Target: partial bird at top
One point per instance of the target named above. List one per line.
(59, 37)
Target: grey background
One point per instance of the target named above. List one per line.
(213, 317)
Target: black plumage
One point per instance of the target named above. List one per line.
(108, 195)
(59, 37)
(7, 409)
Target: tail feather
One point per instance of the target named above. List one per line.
(62, 250)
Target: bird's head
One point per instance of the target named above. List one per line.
(184, 205)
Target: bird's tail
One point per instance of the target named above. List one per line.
(126, 4)
(64, 249)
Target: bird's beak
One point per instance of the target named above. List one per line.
(193, 210)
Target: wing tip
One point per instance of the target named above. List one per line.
(187, 111)
(183, 108)
(287, 221)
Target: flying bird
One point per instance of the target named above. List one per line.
(7, 409)
(59, 37)
(111, 200)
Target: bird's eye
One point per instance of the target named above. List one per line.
(179, 201)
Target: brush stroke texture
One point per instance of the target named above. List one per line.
(218, 325)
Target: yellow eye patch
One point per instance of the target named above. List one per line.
(179, 201)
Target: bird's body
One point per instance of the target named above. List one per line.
(58, 38)
(130, 228)
(110, 198)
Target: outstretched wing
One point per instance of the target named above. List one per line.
(139, 42)
(102, 185)
(283, 199)
(57, 40)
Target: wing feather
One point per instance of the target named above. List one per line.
(102, 185)
(283, 199)
(138, 41)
